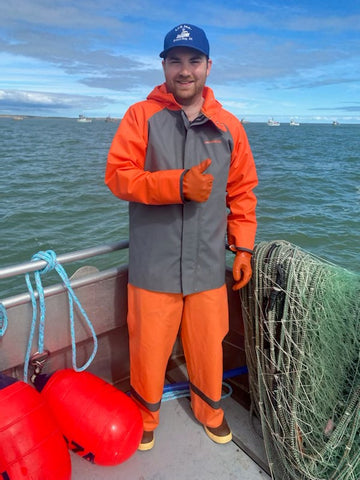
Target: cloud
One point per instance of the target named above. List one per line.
(285, 17)
(101, 48)
(331, 23)
(326, 81)
(27, 100)
(55, 15)
(342, 108)
(126, 81)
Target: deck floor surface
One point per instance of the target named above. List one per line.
(183, 451)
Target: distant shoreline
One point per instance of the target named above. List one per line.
(23, 117)
(118, 119)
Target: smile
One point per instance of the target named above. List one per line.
(185, 82)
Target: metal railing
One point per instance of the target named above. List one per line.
(30, 266)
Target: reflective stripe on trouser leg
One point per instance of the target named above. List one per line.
(153, 322)
(204, 325)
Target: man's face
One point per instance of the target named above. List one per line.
(185, 72)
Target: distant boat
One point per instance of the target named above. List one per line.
(83, 119)
(335, 123)
(293, 123)
(18, 117)
(273, 123)
(109, 119)
(243, 121)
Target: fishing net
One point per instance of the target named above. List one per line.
(302, 338)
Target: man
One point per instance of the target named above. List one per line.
(181, 160)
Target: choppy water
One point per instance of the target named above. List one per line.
(52, 193)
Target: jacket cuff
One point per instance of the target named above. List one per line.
(234, 248)
(182, 187)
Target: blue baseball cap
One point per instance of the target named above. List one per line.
(186, 35)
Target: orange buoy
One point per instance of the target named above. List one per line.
(99, 422)
(31, 444)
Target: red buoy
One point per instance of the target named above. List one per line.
(100, 423)
(31, 444)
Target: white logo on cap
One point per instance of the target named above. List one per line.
(183, 35)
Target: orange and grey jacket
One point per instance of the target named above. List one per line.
(178, 246)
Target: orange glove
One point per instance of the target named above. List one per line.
(242, 270)
(197, 185)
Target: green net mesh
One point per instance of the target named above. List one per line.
(302, 323)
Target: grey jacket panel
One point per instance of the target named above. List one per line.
(181, 248)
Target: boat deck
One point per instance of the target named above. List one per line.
(183, 451)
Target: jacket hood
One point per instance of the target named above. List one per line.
(160, 94)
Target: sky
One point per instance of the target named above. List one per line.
(281, 59)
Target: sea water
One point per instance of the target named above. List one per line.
(53, 196)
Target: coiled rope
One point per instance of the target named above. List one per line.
(302, 326)
(49, 257)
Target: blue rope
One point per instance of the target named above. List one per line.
(173, 391)
(52, 264)
(182, 389)
(3, 320)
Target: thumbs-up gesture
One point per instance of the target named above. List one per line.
(197, 185)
